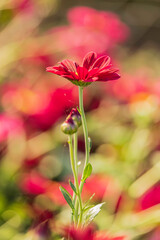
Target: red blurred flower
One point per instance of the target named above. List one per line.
(97, 184)
(30, 163)
(150, 198)
(39, 109)
(102, 185)
(92, 69)
(42, 223)
(54, 193)
(79, 233)
(89, 233)
(33, 183)
(50, 112)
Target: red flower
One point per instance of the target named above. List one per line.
(92, 69)
(89, 233)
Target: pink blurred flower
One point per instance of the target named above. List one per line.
(156, 90)
(9, 126)
(90, 30)
(79, 40)
(37, 59)
(129, 86)
(26, 6)
(155, 235)
(93, 69)
(101, 235)
(99, 21)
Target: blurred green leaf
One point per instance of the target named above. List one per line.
(73, 187)
(67, 197)
(87, 172)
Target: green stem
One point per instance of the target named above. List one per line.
(75, 152)
(85, 130)
(74, 170)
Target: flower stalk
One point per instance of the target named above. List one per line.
(85, 130)
(92, 69)
(74, 170)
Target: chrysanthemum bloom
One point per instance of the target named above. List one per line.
(93, 69)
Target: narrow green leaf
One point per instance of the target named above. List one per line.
(79, 110)
(73, 187)
(67, 196)
(90, 143)
(92, 213)
(86, 208)
(89, 200)
(87, 171)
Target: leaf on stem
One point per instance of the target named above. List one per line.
(79, 110)
(87, 172)
(73, 187)
(86, 204)
(67, 197)
(90, 143)
(86, 208)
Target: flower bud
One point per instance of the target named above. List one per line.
(69, 126)
(75, 115)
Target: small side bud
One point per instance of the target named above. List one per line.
(69, 126)
(75, 115)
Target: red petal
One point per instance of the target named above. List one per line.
(102, 62)
(69, 65)
(89, 59)
(108, 76)
(55, 69)
(63, 72)
(82, 72)
(92, 73)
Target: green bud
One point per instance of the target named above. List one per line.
(69, 126)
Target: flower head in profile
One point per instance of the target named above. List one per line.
(93, 69)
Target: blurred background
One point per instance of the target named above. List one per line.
(123, 116)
